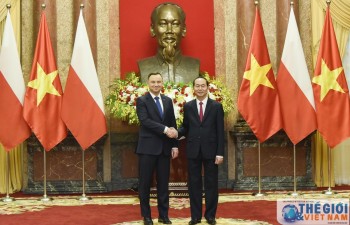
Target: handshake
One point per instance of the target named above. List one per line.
(171, 132)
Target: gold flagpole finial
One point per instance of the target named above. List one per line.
(291, 3)
(81, 6)
(8, 6)
(256, 3)
(43, 6)
(328, 2)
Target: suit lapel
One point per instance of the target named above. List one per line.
(164, 102)
(208, 107)
(195, 109)
(153, 104)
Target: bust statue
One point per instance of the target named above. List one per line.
(168, 27)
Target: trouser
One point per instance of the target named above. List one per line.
(147, 165)
(210, 187)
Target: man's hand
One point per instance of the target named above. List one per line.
(174, 153)
(219, 160)
(171, 132)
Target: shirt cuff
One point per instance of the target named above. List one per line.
(165, 130)
(219, 156)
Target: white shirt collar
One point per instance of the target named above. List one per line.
(153, 96)
(204, 101)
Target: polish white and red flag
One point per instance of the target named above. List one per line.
(13, 129)
(82, 107)
(294, 87)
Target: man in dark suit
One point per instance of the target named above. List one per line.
(154, 149)
(203, 126)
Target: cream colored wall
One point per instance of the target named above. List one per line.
(65, 39)
(306, 32)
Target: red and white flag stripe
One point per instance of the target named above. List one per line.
(13, 129)
(294, 87)
(82, 108)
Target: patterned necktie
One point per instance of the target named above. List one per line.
(159, 106)
(201, 111)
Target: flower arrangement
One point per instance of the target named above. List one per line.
(121, 101)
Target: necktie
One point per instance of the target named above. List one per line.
(201, 111)
(159, 106)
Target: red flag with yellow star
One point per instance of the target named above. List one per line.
(330, 89)
(42, 102)
(258, 100)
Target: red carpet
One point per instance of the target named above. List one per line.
(123, 208)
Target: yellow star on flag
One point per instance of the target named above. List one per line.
(43, 84)
(328, 80)
(257, 75)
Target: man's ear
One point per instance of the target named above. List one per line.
(151, 30)
(183, 33)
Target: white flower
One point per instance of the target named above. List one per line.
(188, 90)
(132, 99)
(189, 97)
(141, 91)
(130, 88)
(212, 86)
(212, 96)
(176, 110)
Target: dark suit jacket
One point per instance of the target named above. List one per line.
(206, 136)
(152, 140)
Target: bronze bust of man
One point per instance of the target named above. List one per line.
(169, 27)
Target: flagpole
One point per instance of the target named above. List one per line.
(7, 198)
(45, 198)
(295, 193)
(259, 194)
(83, 197)
(329, 191)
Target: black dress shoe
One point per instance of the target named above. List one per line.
(147, 221)
(193, 222)
(211, 221)
(164, 220)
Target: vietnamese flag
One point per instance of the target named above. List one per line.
(13, 129)
(82, 107)
(294, 87)
(330, 89)
(258, 101)
(42, 103)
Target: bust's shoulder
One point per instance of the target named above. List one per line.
(190, 59)
(147, 60)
